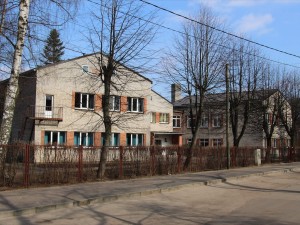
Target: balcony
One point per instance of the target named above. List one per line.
(45, 113)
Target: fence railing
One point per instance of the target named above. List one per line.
(32, 165)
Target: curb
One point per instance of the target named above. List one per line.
(112, 198)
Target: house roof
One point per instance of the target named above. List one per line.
(213, 98)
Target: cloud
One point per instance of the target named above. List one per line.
(255, 23)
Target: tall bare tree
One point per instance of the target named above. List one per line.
(198, 64)
(245, 73)
(290, 116)
(123, 32)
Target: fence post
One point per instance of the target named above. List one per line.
(257, 157)
(152, 155)
(80, 163)
(26, 165)
(121, 162)
(179, 159)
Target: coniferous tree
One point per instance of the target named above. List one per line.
(53, 49)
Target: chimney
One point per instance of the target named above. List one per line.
(175, 92)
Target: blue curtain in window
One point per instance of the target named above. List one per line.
(90, 139)
(62, 137)
(47, 137)
(77, 138)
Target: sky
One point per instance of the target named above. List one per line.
(273, 23)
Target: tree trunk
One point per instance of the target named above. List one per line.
(13, 84)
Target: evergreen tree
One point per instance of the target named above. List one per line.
(53, 49)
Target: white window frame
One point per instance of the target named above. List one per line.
(87, 101)
(204, 121)
(58, 135)
(164, 117)
(204, 142)
(112, 103)
(216, 121)
(137, 138)
(176, 121)
(86, 136)
(139, 102)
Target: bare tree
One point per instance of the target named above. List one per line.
(290, 116)
(15, 35)
(197, 63)
(269, 103)
(245, 72)
(123, 32)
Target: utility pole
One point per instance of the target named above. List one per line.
(227, 115)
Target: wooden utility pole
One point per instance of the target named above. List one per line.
(227, 115)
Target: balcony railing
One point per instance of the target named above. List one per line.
(45, 113)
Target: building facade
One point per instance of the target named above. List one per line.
(62, 104)
(212, 129)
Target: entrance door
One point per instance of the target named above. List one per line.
(49, 106)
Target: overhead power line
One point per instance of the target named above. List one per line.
(180, 32)
(219, 30)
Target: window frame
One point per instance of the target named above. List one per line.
(218, 120)
(164, 118)
(112, 102)
(137, 136)
(86, 102)
(135, 102)
(81, 140)
(176, 121)
(58, 137)
(204, 121)
(204, 142)
(112, 140)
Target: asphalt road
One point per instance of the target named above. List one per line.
(270, 199)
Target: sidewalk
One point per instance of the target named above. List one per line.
(35, 200)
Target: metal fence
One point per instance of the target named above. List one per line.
(36, 165)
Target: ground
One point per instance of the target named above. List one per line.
(270, 199)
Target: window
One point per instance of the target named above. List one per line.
(204, 121)
(189, 122)
(218, 142)
(176, 121)
(84, 139)
(55, 137)
(84, 101)
(115, 139)
(153, 117)
(135, 104)
(85, 68)
(204, 142)
(134, 139)
(114, 103)
(164, 118)
(216, 121)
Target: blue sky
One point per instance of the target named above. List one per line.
(273, 23)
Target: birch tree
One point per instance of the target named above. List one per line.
(12, 88)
